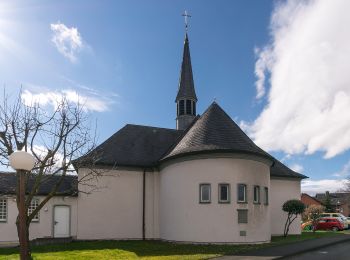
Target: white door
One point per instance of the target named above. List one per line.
(61, 221)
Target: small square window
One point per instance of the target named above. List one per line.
(33, 205)
(242, 216)
(242, 193)
(204, 193)
(224, 193)
(266, 196)
(3, 210)
(256, 194)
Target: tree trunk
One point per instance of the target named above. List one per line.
(24, 241)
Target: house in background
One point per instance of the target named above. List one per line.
(309, 200)
(204, 182)
(339, 200)
(57, 218)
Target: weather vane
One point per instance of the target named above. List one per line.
(186, 15)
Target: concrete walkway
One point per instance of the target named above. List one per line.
(277, 252)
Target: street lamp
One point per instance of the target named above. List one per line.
(22, 162)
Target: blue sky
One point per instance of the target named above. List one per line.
(278, 68)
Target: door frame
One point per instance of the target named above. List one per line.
(69, 220)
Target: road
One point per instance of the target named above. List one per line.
(338, 251)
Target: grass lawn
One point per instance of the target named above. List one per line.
(146, 249)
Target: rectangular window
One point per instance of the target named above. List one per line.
(266, 196)
(204, 193)
(181, 107)
(224, 193)
(242, 216)
(256, 194)
(3, 210)
(33, 205)
(242, 193)
(188, 107)
(194, 107)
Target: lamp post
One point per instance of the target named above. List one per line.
(22, 162)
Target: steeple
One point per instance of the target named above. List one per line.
(186, 85)
(186, 98)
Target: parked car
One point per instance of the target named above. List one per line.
(330, 224)
(348, 221)
(339, 216)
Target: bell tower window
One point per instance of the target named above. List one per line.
(181, 107)
(188, 107)
(194, 108)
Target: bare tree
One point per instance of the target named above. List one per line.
(56, 138)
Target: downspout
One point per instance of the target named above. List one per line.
(143, 204)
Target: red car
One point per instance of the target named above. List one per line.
(329, 224)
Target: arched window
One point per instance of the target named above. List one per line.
(181, 107)
(188, 107)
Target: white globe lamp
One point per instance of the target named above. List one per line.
(21, 160)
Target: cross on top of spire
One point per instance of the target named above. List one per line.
(186, 15)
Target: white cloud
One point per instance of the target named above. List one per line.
(312, 187)
(297, 167)
(307, 64)
(262, 66)
(44, 98)
(68, 41)
(344, 172)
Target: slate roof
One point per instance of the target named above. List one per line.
(281, 170)
(136, 145)
(69, 186)
(186, 85)
(215, 131)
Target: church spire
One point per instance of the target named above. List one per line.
(186, 85)
(186, 98)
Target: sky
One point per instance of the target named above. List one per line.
(279, 68)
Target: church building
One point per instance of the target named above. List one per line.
(203, 182)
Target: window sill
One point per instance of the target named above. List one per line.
(256, 203)
(204, 202)
(242, 202)
(224, 202)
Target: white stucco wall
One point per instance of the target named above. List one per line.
(42, 228)
(183, 218)
(115, 210)
(281, 191)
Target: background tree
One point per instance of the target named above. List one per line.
(293, 208)
(313, 213)
(55, 137)
(328, 203)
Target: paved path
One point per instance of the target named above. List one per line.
(283, 251)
